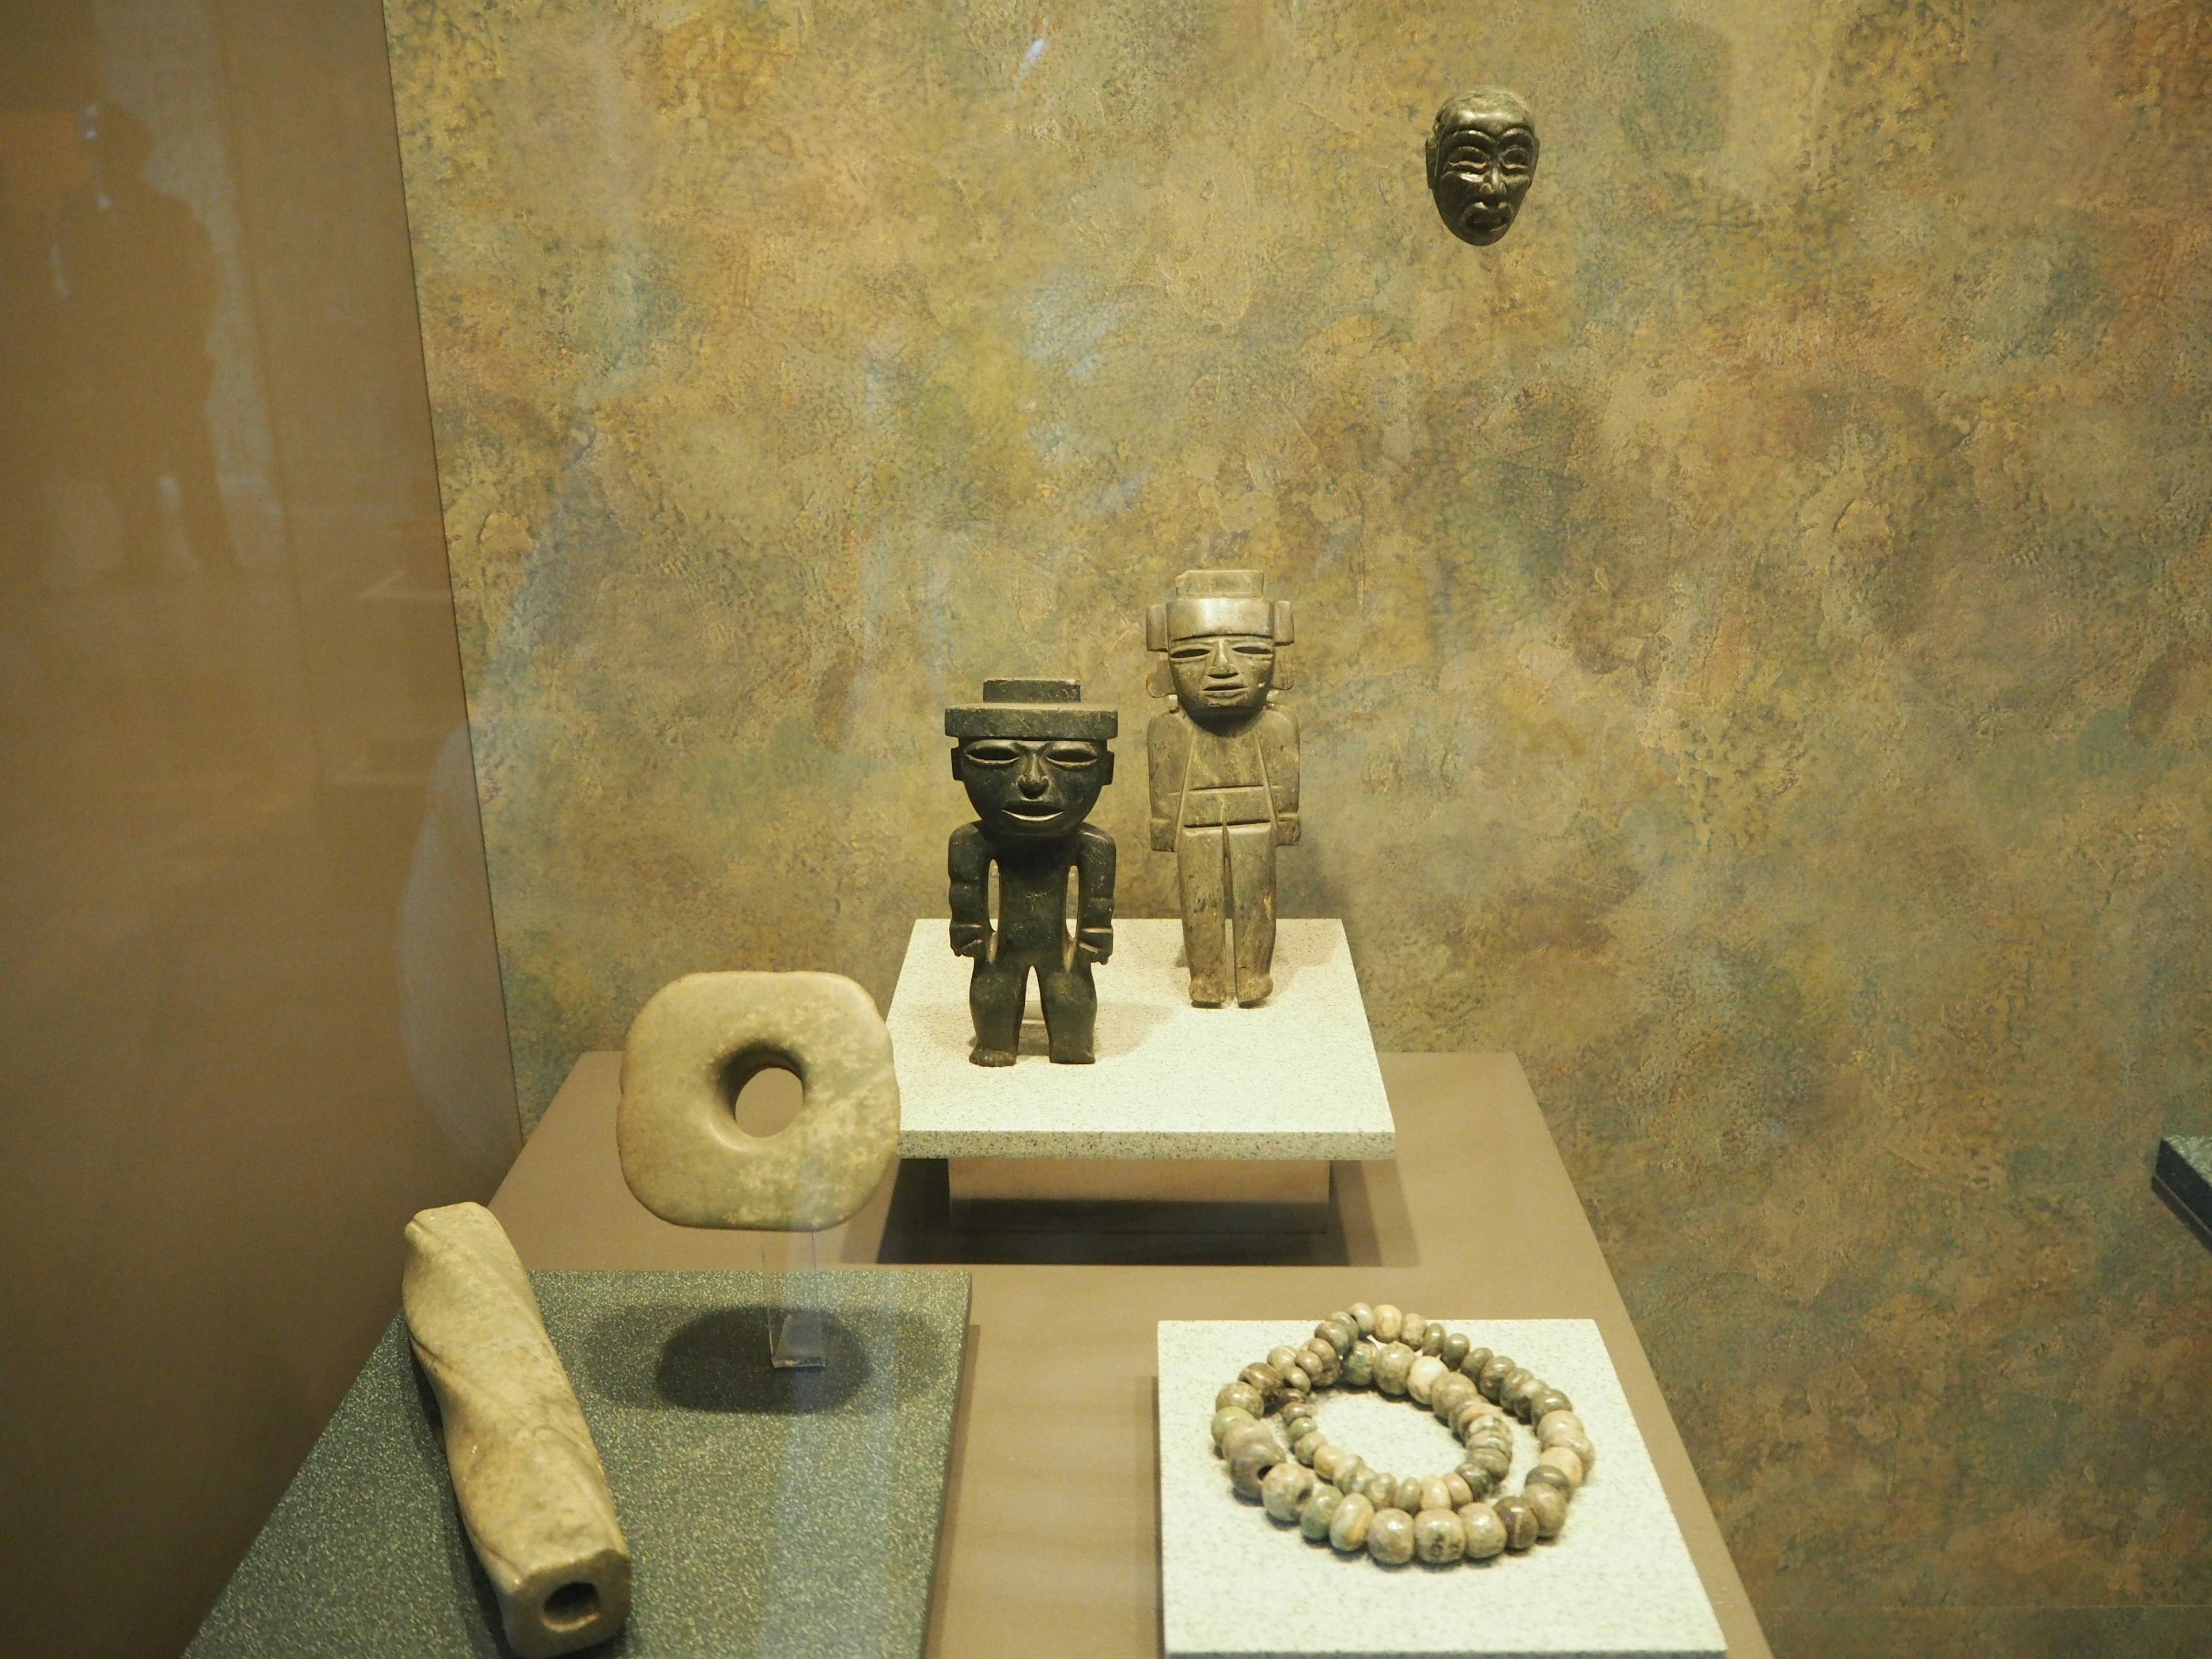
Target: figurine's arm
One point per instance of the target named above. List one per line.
(1094, 895)
(968, 861)
(1167, 753)
(1278, 751)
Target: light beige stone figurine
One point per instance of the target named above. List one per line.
(1224, 764)
(527, 1478)
(690, 1051)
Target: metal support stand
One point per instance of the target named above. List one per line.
(797, 1344)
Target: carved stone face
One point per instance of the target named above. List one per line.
(1482, 158)
(1033, 786)
(1222, 672)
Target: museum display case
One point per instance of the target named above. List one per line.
(1207, 830)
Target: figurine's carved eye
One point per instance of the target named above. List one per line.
(1071, 755)
(992, 751)
(1253, 648)
(1191, 653)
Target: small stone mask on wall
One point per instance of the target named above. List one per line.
(1482, 158)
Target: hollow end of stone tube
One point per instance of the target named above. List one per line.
(579, 1605)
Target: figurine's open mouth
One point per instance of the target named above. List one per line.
(1035, 814)
(1487, 215)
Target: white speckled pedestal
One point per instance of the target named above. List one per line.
(1618, 1581)
(1293, 1080)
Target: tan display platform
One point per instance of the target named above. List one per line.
(1051, 1526)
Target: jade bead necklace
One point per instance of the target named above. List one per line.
(1332, 1496)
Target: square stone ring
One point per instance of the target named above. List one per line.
(690, 1050)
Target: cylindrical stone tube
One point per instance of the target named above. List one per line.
(527, 1477)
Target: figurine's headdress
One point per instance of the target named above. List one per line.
(1031, 708)
(1211, 602)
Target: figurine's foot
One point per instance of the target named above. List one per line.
(1254, 991)
(979, 1055)
(1085, 1058)
(1204, 994)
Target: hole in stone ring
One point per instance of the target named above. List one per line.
(572, 1605)
(763, 1089)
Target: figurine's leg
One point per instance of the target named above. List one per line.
(1070, 1012)
(994, 999)
(1198, 868)
(1252, 906)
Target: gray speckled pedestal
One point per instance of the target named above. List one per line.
(1294, 1080)
(768, 1512)
(1618, 1581)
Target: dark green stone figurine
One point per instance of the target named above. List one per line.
(1034, 757)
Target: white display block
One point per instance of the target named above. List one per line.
(1618, 1581)
(1294, 1079)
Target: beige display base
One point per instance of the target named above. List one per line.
(1061, 1553)
(1292, 1081)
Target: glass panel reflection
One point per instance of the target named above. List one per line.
(250, 1000)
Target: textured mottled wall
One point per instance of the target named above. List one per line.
(1756, 624)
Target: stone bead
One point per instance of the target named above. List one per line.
(1550, 1420)
(1251, 1451)
(1380, 1489)
(1458, 1490)
(1240, 1394)
(1476, 1359)
(1477, 1414)
(1390, 1537)
(1439, 1537)
(1513, 1380)
(1225, 1419)
(1362, 1317)
(1520, 1521)
(1492, 1439)
(1320, 1362)
(1347, 1528)
(1447, 1394)
(1237, 1434)
(1407, 1494)
(1359, 1366)
(1495, 1371)
(1486, 1533)
(1266, 1379)
(1434, 1495)
(1339, 1335)
(1551, 1400)
(1455, 1349)
(1579, 1444)
(1285, 1490)
(1352, 1473)
(1329, 1460)
(1549, 1505)
(1412, 1330)
(1423, 1375)
(1489, 1460)
(1294, 1405)
(1295, 1381)
(1306, 1445)
(1282, 1355)
(1388, 1320)
(1391, 1367)
(1296, 1428)
(1480, 1482)
(1433, 1341)
(1563, 1458)
(1321, 1509)
(1546, 1474)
